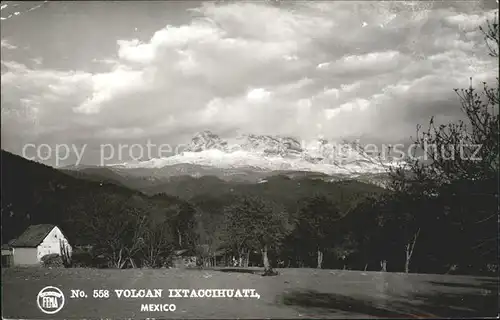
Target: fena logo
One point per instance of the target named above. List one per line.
(50, 300)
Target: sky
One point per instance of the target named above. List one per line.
(93, 73)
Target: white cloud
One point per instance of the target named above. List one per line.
(370, 62)
(107, 86)
(470, 22)
(301, 68)
(120, 132)
(134, 51)
(323, 65)
(351, 87)
(6, 45)
(333, 92)
(169, 37)
(258, 95)
(354, 105)
(37, 61)
(111, 62)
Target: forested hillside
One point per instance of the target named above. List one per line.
(300, 222)
(33, 193)
(89, 212)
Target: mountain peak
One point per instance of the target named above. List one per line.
(206, 140)
(272, 145)
(271, 153)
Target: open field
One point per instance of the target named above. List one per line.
(295, 293)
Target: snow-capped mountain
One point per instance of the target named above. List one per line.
(269, 153)
(206, 140)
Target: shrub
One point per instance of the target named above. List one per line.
(52, 260)
(83, 259)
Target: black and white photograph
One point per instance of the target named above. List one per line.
(261, 159)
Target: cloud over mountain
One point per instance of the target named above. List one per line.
(339, 69)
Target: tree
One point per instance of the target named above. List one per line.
(317, 219)
(344, 247)
(210, 240)
(456, 181)
(209, 226)
(252, 223)
(113, 225)
(365, 221)
(65, 253)
(183, 223)
(491, 36)
(158, 245)
(403, 219)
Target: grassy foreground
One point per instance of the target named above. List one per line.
(295, 293)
